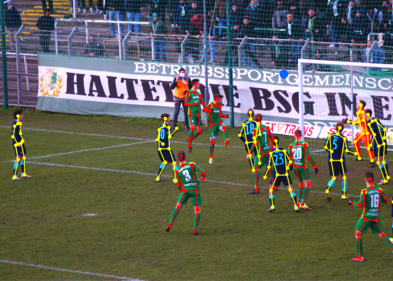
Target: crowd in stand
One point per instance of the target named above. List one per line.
(333, 21)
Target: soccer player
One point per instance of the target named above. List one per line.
(18, 145)
(299, 152)
(370, 199)
(364, 135)
(215, 123)
(263, 144)
(164, 150)
(278, 167)
(336, 145)
(189, 186)
(378, 139)
(246, 134)
(194, 101)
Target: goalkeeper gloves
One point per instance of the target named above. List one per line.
(350, 202)
(316, 170)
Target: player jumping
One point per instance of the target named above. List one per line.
(263, 145)
(299, 152)
(215, 123)
(18, 145)
(336, 145)
(378, 132)
(194, 101)
(164, 150)
(247, 135)
(370, 199)
(364, 135)
(189, 186)
(279, 163)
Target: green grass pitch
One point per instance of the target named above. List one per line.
(42, 220)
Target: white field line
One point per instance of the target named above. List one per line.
(167, 176)
(118, 137)
(69, 270)
(91, 149)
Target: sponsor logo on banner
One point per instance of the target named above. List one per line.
(50, 83)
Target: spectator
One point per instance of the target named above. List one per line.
(13, 22)
(171, 6)
(279, 19)
(100, 7)
(158, 27)
(317, 67)
(358, 32)
(388, 45)
(182, 13)
(190, 50)
(235, 16)
(180, 84)
(50, 4)
(197, 24)
(158, 7)
(257, 18)
(45, 24)
(347, 17)
(246, 29)
(196, 9)
(313, 26)
(93, 48)
(241, 6)
(115, 8)
(84, 6)
(235, 34)
(304, 8)
(278, 53)
(333, 16)
(133, 12)
(376, 55)
(294, 32)
(220, 9)
(293, 6)
(78, 5)
(375, 19)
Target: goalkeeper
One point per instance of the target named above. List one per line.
(299, 152)
(189, 186)
(164, 150)
(246, 134)
(378, 132)
(370, 199)
(214, 115)
(18, 145)
(194, 101)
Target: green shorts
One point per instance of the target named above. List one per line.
(369, 224)
(195, 120)
(183, 198)
(264, 161)
(214, 130)
(301, 174)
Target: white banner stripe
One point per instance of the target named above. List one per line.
(69, 270)
(167, 176)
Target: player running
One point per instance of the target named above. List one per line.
(189, 186)
(280, 162)
(370, 199)
(18, 145)
(164, 150)
(336, 145)
(194, 101)
(299, 152)
(215, 123)
(378, 139)
(364, 135)
(263, 145)
(247, 135)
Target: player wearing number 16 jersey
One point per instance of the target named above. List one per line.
(299, 152)
(189, 186)
(370, 200)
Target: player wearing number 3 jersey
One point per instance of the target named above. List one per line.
(188, 184)
(370, 199)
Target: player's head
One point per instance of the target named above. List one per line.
(276, 141)
(195, 83)
(339, 127)
(258, 117)
(166, 117)
(369, 112)
(297, 134)
(18, 112)
(250, 113)
(361, 104)
(218, 98)
(181, 156)
(369, 177)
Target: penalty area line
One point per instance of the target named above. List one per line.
(69, 270)
(167, 176)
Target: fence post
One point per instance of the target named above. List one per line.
(152, 49)
(74, 9)
(182, 54)
(369, 54)
(303, 51)
(26, 71)
(70, 40)
(119, 40)
(125, 45)
(18, 66)
(87, 31)
(56, 43)
(239, 50)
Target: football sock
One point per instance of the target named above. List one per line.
(161, 169)
(388, 243)
(256, 179)
(359, 247)
(330, 184)
(271, 200)
(293, 197)
(344, 186)
(174, 214)
(16, 167)
(22, 166)
(212, 141)
(196, 220)
(305, 193)
(174, 170)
